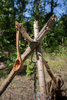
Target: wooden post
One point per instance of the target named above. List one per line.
(40, 65)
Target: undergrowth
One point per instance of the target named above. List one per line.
(57, 60)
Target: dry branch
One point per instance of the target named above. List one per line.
(23, 31)
(54, 84)
(46, 28)
(41, 35)
(54, 93)
(7, 81)
(49, 71)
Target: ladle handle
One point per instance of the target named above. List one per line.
(17, 44)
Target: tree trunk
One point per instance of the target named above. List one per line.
(40, 65)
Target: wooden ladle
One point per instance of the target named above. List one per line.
(19, 63)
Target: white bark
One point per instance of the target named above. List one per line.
(40, 65)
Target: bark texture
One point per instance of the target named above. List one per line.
(23, 31)
(7, 81)
(41, 35)
(40, 65)
(49, 72)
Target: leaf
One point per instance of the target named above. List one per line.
(10, 9)
(22, 44)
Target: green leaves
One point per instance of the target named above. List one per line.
(30, 69)
(6, 41)
(10, 9)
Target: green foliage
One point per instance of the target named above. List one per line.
(14, 10)
(11, 10)
(57, 35)
(13, 55)
(65, 42)
(59, 50)
(30, 69)
(11, 58)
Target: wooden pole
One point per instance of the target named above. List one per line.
(7, 81)
(41, 35)
(40, 65)
(23, 31)
(50, 72)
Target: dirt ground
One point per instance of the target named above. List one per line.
(22, 88)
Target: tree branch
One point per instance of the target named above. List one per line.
(23, 31)
(41, 35)
(49, 71)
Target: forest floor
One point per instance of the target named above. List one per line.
(22, 88)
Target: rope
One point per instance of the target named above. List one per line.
(34, 75)
(32, 58)
(35, 83)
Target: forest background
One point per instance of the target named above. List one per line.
(25, 11)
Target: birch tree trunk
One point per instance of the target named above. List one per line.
(40, 65)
